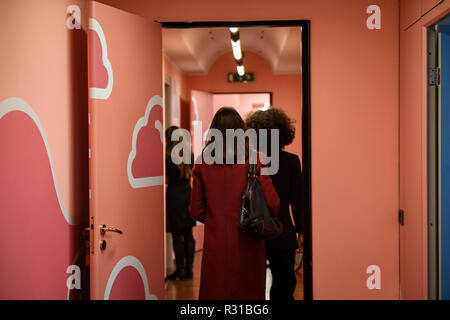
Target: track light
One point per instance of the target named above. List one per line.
(266, 107)
(240, 70)
(237, 51)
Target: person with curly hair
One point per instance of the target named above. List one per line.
(289, 184)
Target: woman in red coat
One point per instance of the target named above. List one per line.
(233, 264)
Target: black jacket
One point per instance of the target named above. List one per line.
(178, 195)
(289, 184)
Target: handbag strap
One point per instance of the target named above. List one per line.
(252, 173)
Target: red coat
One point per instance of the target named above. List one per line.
(234, 264)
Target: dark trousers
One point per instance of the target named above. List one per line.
(283, 273)
(184, 247)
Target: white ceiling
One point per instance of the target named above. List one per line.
(193, 51)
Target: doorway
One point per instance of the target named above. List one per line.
(184, 66)
(439, 160)
(126, 137)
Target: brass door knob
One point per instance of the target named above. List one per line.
(104, 229)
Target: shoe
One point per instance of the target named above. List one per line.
(189, 273)
(179, 273)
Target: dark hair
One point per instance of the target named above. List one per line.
(185, 169)
(227, 118)
(169, 142)
(273, 118)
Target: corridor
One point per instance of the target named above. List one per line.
(359, 89)
(188, 289)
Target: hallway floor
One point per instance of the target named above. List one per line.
(188, 289)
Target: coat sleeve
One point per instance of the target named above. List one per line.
(270, 194)
(197, 205)
(297, 195)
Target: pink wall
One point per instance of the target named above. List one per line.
(201, 117)
(44, 163)
(354, 94)
(178, 84)
(354, 128)
(413, 145)
(175, 74)
(243, 103)
(427, 5)
(225, 100)
(412, 10)
(286, 89)
(354, 110)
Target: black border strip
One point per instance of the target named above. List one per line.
(306, 159)
(242, 24)
(306, 120)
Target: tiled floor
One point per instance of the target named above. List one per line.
(188, 289)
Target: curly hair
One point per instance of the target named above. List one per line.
(273, 118)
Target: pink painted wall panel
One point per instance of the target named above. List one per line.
(128, 285)
(410, 11)
(251, 102)
(172, 71)
(179, 87)
(43, 142)
(38, 256)
(201, 117)
(179, 78)
(427, 5)
(411, 235)
(225, 100)
(243, 103)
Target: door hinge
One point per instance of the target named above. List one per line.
(434, 76)
(401, 217)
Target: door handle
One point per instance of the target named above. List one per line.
(104, 229)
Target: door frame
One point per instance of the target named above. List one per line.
(434, 157)
(306, 120)
(433, 141)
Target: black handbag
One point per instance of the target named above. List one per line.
(255, 218)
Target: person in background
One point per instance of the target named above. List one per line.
(289, 184)
(178, 220)
(234, 264)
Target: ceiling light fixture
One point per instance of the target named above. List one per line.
(237, 51)
(240, 70)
